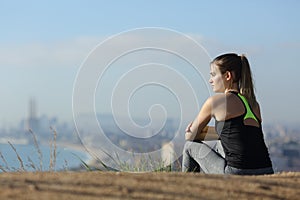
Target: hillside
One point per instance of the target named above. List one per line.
(160, 185)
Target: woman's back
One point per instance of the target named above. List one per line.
(229, 105)
(240, 132)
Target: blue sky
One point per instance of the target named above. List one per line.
(43, 44)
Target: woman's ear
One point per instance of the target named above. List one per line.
(228, 75)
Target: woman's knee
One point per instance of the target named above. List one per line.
(188, 145)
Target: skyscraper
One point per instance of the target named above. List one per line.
(32, 120)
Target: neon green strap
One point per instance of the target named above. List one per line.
(249, 113)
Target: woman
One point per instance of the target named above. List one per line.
(241, 148)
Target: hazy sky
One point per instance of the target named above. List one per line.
(44, 43)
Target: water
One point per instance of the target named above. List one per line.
(66, 158)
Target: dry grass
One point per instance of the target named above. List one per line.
(155, 185)
(24, 166)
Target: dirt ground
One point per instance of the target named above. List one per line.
(159, 185)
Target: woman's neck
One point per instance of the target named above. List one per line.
(232, 87)
(232, 90)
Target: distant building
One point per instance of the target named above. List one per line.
(33, 122)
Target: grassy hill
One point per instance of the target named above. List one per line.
(160, 185)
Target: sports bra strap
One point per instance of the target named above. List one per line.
(249, 113)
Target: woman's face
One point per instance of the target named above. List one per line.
(216, 79)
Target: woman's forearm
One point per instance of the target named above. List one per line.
(194, 136)
(207, 133)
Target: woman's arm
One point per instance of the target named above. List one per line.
(207, 133)
(198, 129)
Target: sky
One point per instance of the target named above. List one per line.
(43, 45)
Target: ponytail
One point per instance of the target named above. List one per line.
(246, 82)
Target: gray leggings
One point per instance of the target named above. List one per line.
(210, 159)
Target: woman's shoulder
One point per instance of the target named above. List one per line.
(222, 99)
(215, 100)
(217, 97)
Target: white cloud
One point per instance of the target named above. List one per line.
(59, 53)
(72, 52)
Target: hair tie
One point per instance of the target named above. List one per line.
(242, 56)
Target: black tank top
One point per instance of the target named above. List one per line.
(243, 145)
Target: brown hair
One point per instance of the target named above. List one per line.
(240, 68)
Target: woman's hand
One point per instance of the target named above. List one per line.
(188, 132)
(188, 128)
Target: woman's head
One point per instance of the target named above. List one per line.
(229, 63)
(237, 70)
